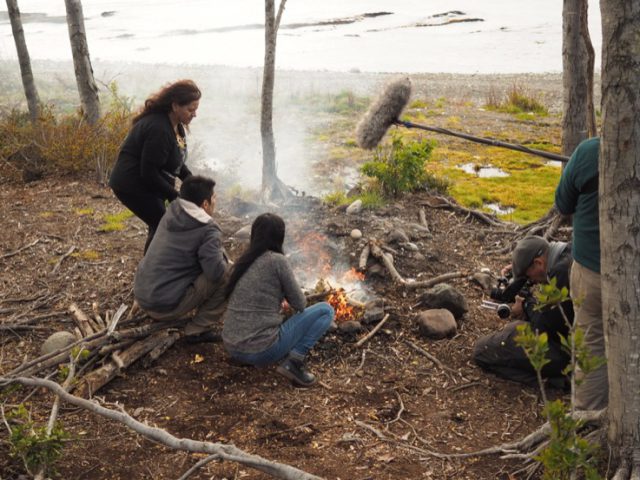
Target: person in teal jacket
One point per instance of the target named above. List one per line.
(577, 195)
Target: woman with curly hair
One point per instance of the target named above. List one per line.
(155, 153)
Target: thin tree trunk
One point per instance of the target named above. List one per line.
(269, 171)
(578, 120)
(619, 183)
(30, 91)
(270, 181)
(87, 87)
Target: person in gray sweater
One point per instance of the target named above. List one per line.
(185, 266)
(254, 330)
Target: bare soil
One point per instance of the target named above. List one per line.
(385, 383)
(193, 391)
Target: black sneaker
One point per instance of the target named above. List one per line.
(295, 371)
(204, 337)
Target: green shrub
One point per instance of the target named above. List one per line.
(400, 167)
(37, 449)
(65, 142)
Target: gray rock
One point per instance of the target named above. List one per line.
(485, 280)
(373, 313)
(57, 341)
(243, 234)
(398, 236)
(419, 257)
(410, 246)
(356, 234)
(445, 296)
(437, 323)
(351, 326)
(355, 207)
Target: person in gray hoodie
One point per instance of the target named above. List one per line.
(185, 266)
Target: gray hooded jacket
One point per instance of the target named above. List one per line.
(187, 243)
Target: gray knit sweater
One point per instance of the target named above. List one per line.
(253, 317)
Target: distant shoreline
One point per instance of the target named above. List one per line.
(138, 79)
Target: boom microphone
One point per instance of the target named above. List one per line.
(383, 113)
(387, 108)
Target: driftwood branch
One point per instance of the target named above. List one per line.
(224, 451)
(82, 320)
(372, 332)
(364, 256)
(484, 218)
(15, 252)
(61, 259)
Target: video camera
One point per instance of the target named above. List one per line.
(505, 292)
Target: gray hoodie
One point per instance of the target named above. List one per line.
(187, 243)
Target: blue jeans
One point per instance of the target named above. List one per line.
(297, 336)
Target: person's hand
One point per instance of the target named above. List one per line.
(518, 307)
(505, 270)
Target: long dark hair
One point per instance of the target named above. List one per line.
(267, 233)
(182, 92)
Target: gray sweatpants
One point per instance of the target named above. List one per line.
(204, 296)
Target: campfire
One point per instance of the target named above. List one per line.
(344, 310)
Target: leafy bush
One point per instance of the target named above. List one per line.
(65, 142)
(400, 167)
(32, 444)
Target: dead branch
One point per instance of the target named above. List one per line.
(386, 260)
(15, 252)
(423, 218)
(435, 280)
(446, 203)
(434, 359)
(199, 465)
(61, 259)
(95, 380)
(372, 332)
(82, 320)
(224, 451)
(364, 256)
(159, 349)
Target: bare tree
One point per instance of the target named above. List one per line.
(30, 91)
(578, 57)
(81, 62)
(619, 183)
(271, 185)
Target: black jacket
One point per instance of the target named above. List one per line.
(150, 159)
(551, 320)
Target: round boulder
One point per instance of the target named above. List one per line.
(57, 341)
(445, 296)
(437, 323)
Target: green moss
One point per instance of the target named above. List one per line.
(115, 222)
(418, 104)
(90, 255)
(529, 189)
(84, 211)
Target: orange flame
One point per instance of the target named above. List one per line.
(344, 311)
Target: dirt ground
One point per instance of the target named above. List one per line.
(193, 391)
(379, 409)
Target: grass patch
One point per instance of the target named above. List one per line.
(529, 189)
(115, 222)
(518, 101)
(90, 255)
(371, 199)
(84, 211)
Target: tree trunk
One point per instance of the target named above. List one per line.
(578, 56)
(619, 182)
(30, 91)
(87, 87)
(271, 185)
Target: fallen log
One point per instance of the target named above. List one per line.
(92, 382)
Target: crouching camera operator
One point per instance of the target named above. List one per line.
(534, 260)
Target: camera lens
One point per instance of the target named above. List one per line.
(503, 311)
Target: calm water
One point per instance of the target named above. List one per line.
(474, 36)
